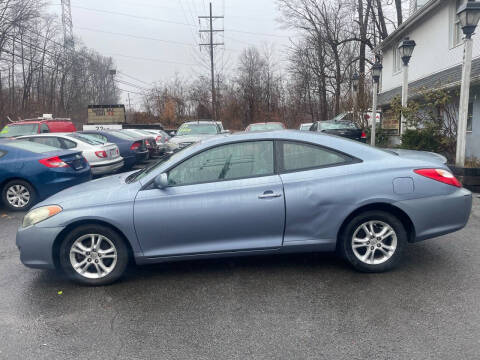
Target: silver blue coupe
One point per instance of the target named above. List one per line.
(247, 194)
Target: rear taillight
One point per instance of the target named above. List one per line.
(364, 135)
(101, 154)
(441, 175)
(53, 162)
(158, 139)
(135, 145)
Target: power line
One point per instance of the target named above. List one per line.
(152, 59)
(176, 22)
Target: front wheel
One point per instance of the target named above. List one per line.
(373, 241)
(94, 255)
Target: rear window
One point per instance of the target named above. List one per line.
(31, 146)
(86, 139)
(121, 135)
(19, 130)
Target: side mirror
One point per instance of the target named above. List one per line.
(161, 181)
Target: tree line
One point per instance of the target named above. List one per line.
(38, 74)
(334, 39)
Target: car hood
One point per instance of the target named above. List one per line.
(420, 155)
(190, 138)
(106, 190)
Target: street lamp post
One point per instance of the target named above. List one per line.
(406, 49)
(376, 72)
(468, 14)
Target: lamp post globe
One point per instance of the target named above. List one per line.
(406, 49)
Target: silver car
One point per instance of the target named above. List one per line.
(246, 194)
(104, 158)
(194, 131)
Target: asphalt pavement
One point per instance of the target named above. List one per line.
(278, 307)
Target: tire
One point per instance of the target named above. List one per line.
(92, 272)
(18, 195)
(387, 252)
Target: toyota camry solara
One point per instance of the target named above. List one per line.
(246, 194)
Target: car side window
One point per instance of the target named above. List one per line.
(44, 128)
(68, 144)
(50, 141)
(2, 153)
(297, 156)
(225, 162)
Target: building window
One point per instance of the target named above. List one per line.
(397, 61)
(470, 116)
(457, 33)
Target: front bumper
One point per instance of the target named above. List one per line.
(36, 246)
(109, 168)
(438, 215)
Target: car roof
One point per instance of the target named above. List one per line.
(267, 122)
(37, 121)
(201, 122)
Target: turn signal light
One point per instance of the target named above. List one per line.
(53, 162)
(441, 175)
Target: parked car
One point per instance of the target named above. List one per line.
(161, 138)
(266, 126)
(148, 138)
(347, 129)
(305, 127)
(37, 126)
(194, 131)
(32, 172)
(103, 158)
(133, 151)
(248, 193)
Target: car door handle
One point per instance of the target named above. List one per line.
(268, 195)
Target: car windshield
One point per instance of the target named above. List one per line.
(19, 130)
(32, 146)
(336, 125)
(197, 129)
(86, 139)
(265, 127)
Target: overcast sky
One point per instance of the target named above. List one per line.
(172, 28)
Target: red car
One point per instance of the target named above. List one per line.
(266, 126)
(37, 126)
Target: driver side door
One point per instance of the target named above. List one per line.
(226, 198)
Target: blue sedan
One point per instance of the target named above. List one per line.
(246, 194)
(31, 172)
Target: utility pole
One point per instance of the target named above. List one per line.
(211, 44)
(129, 104)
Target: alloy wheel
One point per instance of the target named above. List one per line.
(374, 242)
(93, 256)
(18, 196)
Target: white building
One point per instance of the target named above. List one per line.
(436, 61)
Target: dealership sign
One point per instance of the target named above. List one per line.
(106, 114)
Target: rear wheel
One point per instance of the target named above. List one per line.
(94, 255)
(18, 195)
(373, 241)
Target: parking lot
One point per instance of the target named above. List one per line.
(287, 307)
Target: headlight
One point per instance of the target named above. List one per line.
(40, 214)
